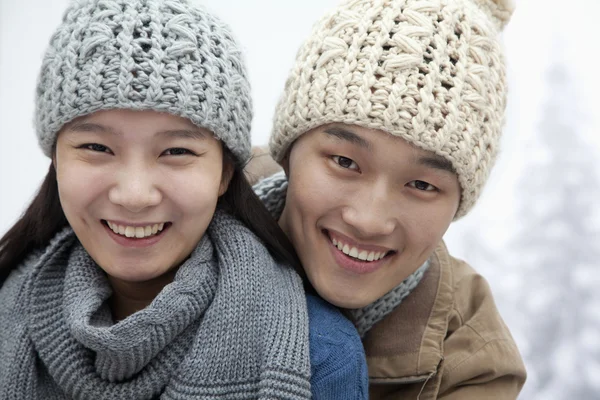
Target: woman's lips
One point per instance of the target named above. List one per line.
(136, 242)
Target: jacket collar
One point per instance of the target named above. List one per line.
(407, 345)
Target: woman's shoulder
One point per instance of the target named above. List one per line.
(13, 287)
(25, 268)
(338, 363)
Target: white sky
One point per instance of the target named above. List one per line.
(271, 32)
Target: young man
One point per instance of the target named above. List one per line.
(387, 131)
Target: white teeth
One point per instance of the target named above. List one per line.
(346, 249)
(130, 231)
(354, 252)
(138, 232)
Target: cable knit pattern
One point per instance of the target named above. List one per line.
(233, 324)
(430, 72)
(272, 192)
(162, 55)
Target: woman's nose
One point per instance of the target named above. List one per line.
(135, 189)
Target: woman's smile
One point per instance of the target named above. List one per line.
(136, 235)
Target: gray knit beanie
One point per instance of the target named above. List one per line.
(163, 55)
(430, 72)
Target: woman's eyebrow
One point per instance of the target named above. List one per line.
(349, 136)
(184, 134)
(91, 127)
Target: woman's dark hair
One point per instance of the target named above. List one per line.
(241, 201)
(41, 221)
(44, 218)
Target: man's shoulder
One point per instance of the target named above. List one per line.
(261, 165)
(327, 320)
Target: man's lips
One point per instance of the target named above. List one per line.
(357, 258)
(351, 248)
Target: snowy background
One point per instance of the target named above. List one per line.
(535, 234)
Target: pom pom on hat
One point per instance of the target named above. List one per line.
(499, 10)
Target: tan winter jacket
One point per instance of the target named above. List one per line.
(446, 340)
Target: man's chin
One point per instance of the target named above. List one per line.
(346, 298)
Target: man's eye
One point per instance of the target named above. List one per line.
(345, 162)
(178, 151)
(95, 147)
(422, 185)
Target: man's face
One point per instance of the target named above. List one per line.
(364, 210)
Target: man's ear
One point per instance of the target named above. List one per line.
(285, 163)
(226, 176)
(261, 165)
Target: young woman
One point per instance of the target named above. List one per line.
(146, 267)
(387, 130)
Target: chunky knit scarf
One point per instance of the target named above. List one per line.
(233, 324)
(272, 192)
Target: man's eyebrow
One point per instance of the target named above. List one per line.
(436, 162)
(348, 136)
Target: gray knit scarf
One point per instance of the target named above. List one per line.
(232, 325)
(272, 192)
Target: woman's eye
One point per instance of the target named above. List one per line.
(178, 151)
(96, 147)
(345, 162)
(422, 185)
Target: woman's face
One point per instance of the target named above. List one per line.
(139, 188)
(364, 210)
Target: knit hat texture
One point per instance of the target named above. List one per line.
(164, 55)
(428, 71)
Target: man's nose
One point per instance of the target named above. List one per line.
(371, 211)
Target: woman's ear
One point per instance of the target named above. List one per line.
(228, 169)
(54, 163)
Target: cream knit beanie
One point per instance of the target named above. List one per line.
(428, 71)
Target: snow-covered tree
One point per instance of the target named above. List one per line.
(557, 251)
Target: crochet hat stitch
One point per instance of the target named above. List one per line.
(163, 55)
(428, 71)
